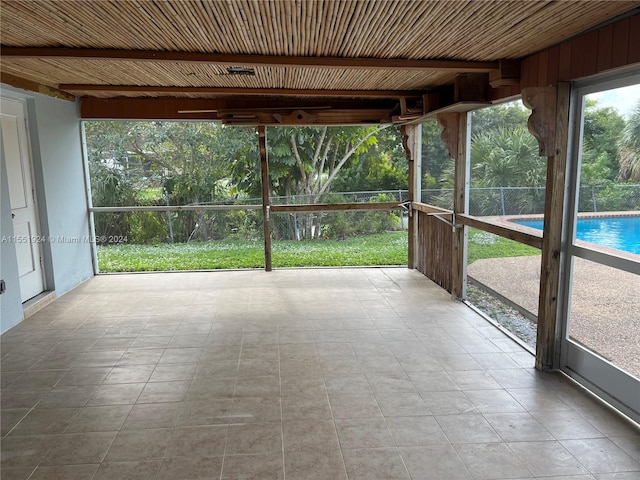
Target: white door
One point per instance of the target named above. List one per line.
(22, 197)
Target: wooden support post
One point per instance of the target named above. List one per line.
(549, 123)
(266, 204)
(460, 205)
(408, 142)
(455, 135)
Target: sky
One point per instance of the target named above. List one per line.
(623, 99)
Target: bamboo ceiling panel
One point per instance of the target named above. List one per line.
(109, 72)
(471, 30)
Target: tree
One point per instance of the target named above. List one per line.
(602, 128)
(383, 167)
(304, 162)
(435, 156)
(499, 117)
(629, 144)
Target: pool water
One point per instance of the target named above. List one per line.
(621, 233)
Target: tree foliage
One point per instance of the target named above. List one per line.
(629, 144)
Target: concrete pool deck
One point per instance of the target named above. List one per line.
(605, 313)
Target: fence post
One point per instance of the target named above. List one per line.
(593, 198)
(502, 200)
(166, 196)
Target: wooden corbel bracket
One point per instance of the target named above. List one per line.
(450, 123)
(407, 141)
(542, 121)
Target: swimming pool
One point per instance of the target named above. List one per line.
(621, 233)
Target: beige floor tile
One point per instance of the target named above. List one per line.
(402, 404)
(201, 441)
(253, 467)
(311, 463)
(437, 381)
(99, 419)
(141, 470)
(601, 455)
(116, 394)
(411, 431)
(19, 473)
(517, 427)
(129, 374)
(25, 451)
(363, 433)
(10, 418)
(467, 428)
(494, 401)
(375, 368)
(44, 421)
(375, 464)
(566, 424)
(139, 445)
(448, 403)
(309, 407)
(160, 392)
(158, 415)
(64, 472)
(256, 409)
(434, 462)
(320, 435)
(354, 405)
(547, 458)
(255, 438)
(85, 376)
(193, 468)
(79, 448)
(491, 461)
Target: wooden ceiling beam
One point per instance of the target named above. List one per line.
(32, 86)
(462, 66)
(280, 92)
(238, 110)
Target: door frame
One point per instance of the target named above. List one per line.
(585, 366)
(41, 260)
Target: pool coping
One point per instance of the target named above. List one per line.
(508, 221)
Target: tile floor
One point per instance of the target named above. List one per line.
(297, 374)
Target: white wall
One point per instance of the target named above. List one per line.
(56, 144)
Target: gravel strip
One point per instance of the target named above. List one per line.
(605, 303)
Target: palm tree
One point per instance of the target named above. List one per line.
(630, 148)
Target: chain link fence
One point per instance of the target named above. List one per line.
(530, 201)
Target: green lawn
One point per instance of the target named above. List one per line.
(486, 245)
(380, 249)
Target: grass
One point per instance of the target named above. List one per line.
(486, 245)
(380, 249)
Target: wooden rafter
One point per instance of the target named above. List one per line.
(281, 92)
(35, 87)
(252, 60)
(242, 111)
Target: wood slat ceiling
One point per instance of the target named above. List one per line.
(473, 31)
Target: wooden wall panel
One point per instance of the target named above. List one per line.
(434, 249)
(605, 46)
(590, 56)
(612, 46)
(620, 51)
(634, 39)
(553, 69)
